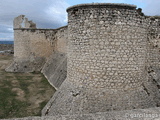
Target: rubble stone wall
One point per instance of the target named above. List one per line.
(107, 56)
(109, 53)
(153, 43)
(33, 47)
(33, 42)
(55, 68)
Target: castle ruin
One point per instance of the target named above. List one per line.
(106, 59)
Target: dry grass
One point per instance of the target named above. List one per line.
(22, 94)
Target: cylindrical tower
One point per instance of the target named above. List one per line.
(106, 61)
(106, 47)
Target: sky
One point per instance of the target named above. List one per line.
(52, 13)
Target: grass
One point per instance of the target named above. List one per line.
(12, 107)
(43, 80)
(22, 94)
(24, 82)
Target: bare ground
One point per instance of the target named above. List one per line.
(22, 94)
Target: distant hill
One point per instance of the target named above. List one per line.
(6, 42)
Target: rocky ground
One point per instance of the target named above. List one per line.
(6, 49)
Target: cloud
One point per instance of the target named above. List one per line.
(52, 13)
(5, 29)
(45, 13)
(6, 32)
(33, 9)
(57, 12)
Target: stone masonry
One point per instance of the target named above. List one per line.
(138, 114)
(107, 61)
(35, 50)
(110, 54)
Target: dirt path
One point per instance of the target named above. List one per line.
(22, 94)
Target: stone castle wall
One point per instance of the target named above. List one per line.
(109, 53)
(55, 68)
(138, 114)
(33, 42)
(61, 39)
(37, 49)
(153, 43)
(109, 46)
(153, 51)
(39, 42)
(107, 60)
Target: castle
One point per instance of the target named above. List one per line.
(106, 59)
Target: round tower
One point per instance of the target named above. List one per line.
(106, 61)
(106, 47)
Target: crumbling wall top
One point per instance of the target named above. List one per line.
(22, 22)
(17, 23)
(99, 5)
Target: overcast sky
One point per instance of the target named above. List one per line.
(52, 13)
